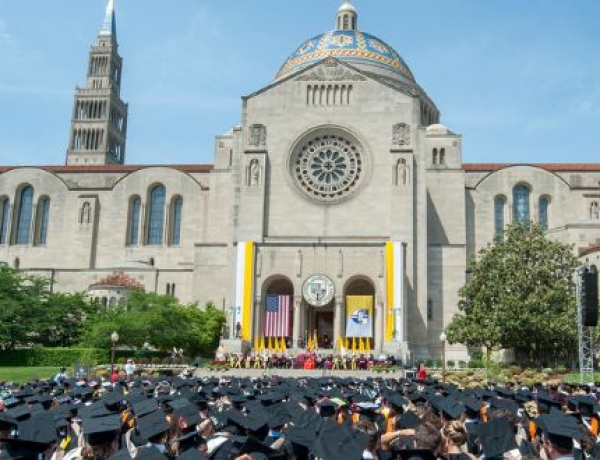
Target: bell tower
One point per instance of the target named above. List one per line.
(99, 121)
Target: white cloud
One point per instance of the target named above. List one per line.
(5, 38)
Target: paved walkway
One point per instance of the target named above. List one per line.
(294, 373)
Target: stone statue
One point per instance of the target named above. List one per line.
(254, 173)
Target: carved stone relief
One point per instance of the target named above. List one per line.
(401, 134)
(257, 136)
(331, 72)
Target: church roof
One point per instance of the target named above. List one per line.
(113, 168)
(353, 46)
(555, 167)
(118, 280)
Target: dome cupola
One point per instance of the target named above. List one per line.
(347, 17)
(348, 44)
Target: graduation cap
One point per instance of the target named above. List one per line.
(587, 405)
(560, 429)
(187, 412)
(144, 407)
(253, 447)
(410, 420)
(101, 430)
(451, 409)
(190, 440)
(304, 429)
(19, 413)
(7, 422)
(415, 454)
(395, 400)
(327, 409)
(33, 437)
(340, 442)
(149, 453)
(151, 426)
(496, 437)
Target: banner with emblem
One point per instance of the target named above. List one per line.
(359, 316)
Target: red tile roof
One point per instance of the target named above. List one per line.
(114, 168)
(488, 167)
(120, 280)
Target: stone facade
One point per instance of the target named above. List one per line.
(332, 161)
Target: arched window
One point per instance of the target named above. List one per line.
(442, 156)
(135, 207)
(434, 159)
(499, 204)
(4, 211)
(521, 204)
(23, 230)
(156, 216)
(543, 205)
(42, 217)
(176, 213)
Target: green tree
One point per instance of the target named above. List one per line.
(158, 320)
(519, 295)
(31, 314)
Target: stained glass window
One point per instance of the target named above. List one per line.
(521, 204)
(157, 215)
(544, 213)
(4, 211)
(176, 223)
(43, 217)
(134, 221)
(25, 215)
(499, 217)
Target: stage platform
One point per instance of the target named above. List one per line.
(301, 373)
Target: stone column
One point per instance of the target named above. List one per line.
(338, 319)
(257, 319)
(380, 314)
(297, 329)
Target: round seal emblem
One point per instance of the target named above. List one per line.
(318, 290)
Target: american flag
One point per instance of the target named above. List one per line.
(277, 321)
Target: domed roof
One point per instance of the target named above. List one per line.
(360, 49)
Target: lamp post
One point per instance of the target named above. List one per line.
(114, 338)
(443, 338)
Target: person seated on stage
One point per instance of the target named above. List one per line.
(325, 341)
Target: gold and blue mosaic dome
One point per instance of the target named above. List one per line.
(352, 46)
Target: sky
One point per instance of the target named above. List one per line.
(519, 79)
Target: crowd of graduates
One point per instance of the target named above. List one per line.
(326, 418)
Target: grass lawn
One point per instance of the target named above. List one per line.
(574, 377)
(23, 374)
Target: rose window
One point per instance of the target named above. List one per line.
(328, 167)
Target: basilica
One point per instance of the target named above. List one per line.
(339, 206)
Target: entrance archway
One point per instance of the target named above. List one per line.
(276, 318)
(319, 324)
(359, 315)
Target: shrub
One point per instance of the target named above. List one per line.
(53, 357)
(476, 364)
(450, 363)
(462, 364)
(156, 360)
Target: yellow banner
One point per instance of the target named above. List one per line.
(359, 316)
(389, 320)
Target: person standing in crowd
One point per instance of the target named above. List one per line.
(61, 376)
(422, 372)
(130, 370)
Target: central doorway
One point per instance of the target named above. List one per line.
(320, 324)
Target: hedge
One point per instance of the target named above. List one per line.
(49, 357)
(57, 357)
